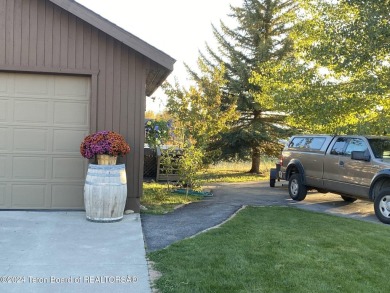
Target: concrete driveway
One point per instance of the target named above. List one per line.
(63, 252)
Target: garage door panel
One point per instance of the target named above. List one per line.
(4, 139)
(65, 140)
(29, 167)
(25, 195)
(68, 168)
(66, 196)
(30, 140)
(71, 113)
(4, 109)
(3, 188)
(71, 87)
(31, 85)
(31, 111)
(3, 167)
(3, 83)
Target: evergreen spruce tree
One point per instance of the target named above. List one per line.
(259, 40)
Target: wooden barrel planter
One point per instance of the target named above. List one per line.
(105, 193)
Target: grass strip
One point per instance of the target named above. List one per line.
(230, 176)
(159, 200)
(235, 172)
(279, 249)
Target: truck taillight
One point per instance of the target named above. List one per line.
(281, 160)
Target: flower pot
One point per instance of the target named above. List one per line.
(106, 160)
(105, 193)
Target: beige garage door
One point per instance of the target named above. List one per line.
(43, 119)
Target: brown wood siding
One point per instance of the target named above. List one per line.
(41, 25)
(37, 36)
(2, 30)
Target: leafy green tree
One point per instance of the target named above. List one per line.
(338, 80)
(199, 112)
(261, 35)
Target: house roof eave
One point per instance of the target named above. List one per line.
(155, 77)
(117, 32)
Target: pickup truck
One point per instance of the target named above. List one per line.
(355, 167)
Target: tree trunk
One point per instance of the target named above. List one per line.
(255, 160)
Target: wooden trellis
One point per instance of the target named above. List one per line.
(170, 171)
(150, 163)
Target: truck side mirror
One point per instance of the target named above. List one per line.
(361, 156)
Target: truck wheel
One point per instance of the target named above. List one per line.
(272, 182)
(348, 198)
(296, 188)
(382, 206)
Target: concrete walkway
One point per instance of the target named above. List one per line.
(63, 252)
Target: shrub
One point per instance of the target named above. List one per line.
(157, 132)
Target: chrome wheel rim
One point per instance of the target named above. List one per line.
(294, 187)
(384, 206)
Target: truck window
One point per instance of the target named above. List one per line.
(317, 143)
(338, 147)
(355, 144)
(314, 143)
(380, 147)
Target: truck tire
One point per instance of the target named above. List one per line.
(348, 198)
(382, 206)
(296, 188)
(272, 182)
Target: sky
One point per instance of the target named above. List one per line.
(179, 28)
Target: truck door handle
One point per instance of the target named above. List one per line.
(341, 163)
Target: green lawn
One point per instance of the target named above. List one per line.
(279, 249)
(236, 172)
(159, 200)
(230, 176)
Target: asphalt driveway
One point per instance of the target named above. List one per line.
(162, 230)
